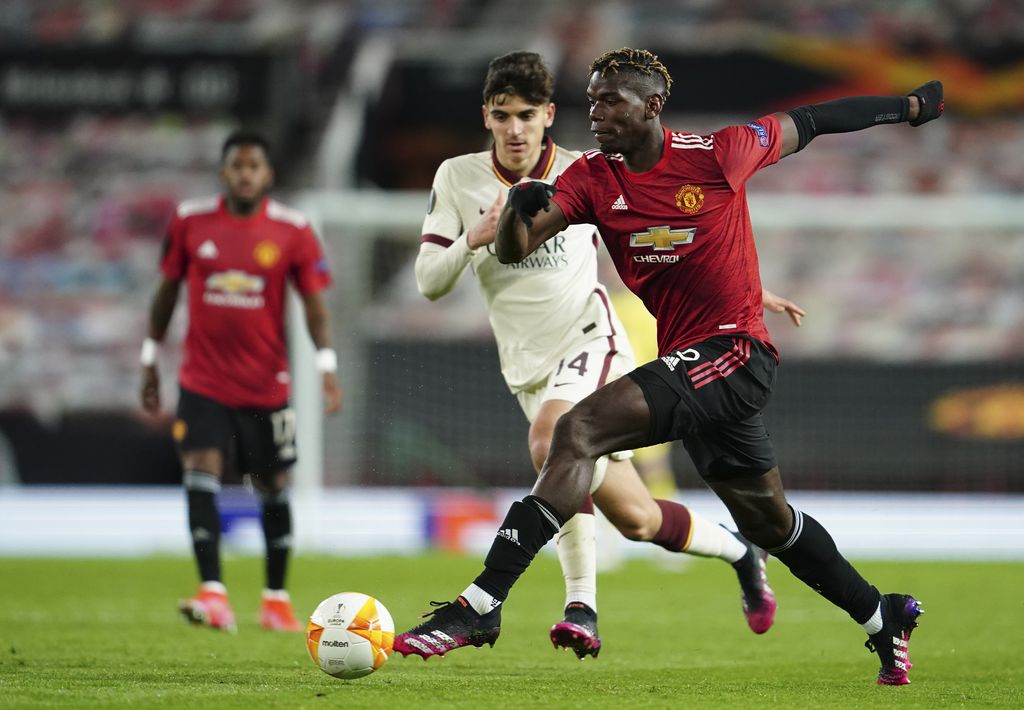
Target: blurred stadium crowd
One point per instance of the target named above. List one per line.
(87, 183)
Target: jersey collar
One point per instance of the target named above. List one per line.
(663, 161)
(540, 170)
(260, 211)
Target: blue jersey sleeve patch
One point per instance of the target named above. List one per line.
(761, 131)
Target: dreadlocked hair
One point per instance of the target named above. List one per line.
(521, 74)
(638, 61)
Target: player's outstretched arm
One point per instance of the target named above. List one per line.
(318, 325)
(800, 125)
(160, 311)
(528, 220)
(778, 304)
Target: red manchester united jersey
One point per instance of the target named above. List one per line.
(236, 269)
(680, 233)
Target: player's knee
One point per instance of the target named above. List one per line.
(576, 433)
(208, 460)
(763, 528)
(539, 448)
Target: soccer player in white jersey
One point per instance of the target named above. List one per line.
(558, 340)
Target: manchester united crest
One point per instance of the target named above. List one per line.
(690, 199)
(266, 254)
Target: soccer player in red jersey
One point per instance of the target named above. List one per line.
(550, 318)
(237, 251)
(671, 208)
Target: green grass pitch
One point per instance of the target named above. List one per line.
(104, 633)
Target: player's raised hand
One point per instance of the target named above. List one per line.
(778, 304)
(930, 102)
(150, 390)
(332, 394)
(484, 231)
(529, 198)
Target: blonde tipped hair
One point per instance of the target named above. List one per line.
(635, 61)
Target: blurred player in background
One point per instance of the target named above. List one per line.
(237, 251)
(558, 341)
(671, 207)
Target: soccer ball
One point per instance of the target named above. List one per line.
(350, 635)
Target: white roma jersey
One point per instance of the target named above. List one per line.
(538, 308)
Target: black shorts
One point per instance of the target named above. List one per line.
(253, 440)
(710, 397)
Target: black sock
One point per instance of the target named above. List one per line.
(811, 555)
(201, 490)
(277, 533)
(527, 527)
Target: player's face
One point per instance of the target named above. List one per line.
(518, 130)
(618, 115)
(246, 174)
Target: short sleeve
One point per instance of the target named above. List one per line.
(310, 271)
(572, 195)
(743, 150)
(174, 257)
(442, 224)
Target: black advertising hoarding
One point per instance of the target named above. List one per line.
(836, 426)
(57, 82)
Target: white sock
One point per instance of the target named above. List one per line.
(577, 552)
(481, 601)
(276, 595)
(874, 624)
(213, 587)
(710, 540)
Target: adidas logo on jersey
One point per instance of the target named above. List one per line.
(207, 250)
(619, 204)
(510, 534)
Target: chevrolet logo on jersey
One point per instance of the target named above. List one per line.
(662, 238)
(234, 289)
(234, 282)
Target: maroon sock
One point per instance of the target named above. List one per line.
(674, 533)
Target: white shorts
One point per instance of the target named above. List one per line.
(582, 370)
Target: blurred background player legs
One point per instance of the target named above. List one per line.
(210, 605)
(276, 612)
(264, 441)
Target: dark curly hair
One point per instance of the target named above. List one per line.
(245, 136)
(651, 73)
(522, 74)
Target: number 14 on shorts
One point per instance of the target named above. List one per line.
(578, 363)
